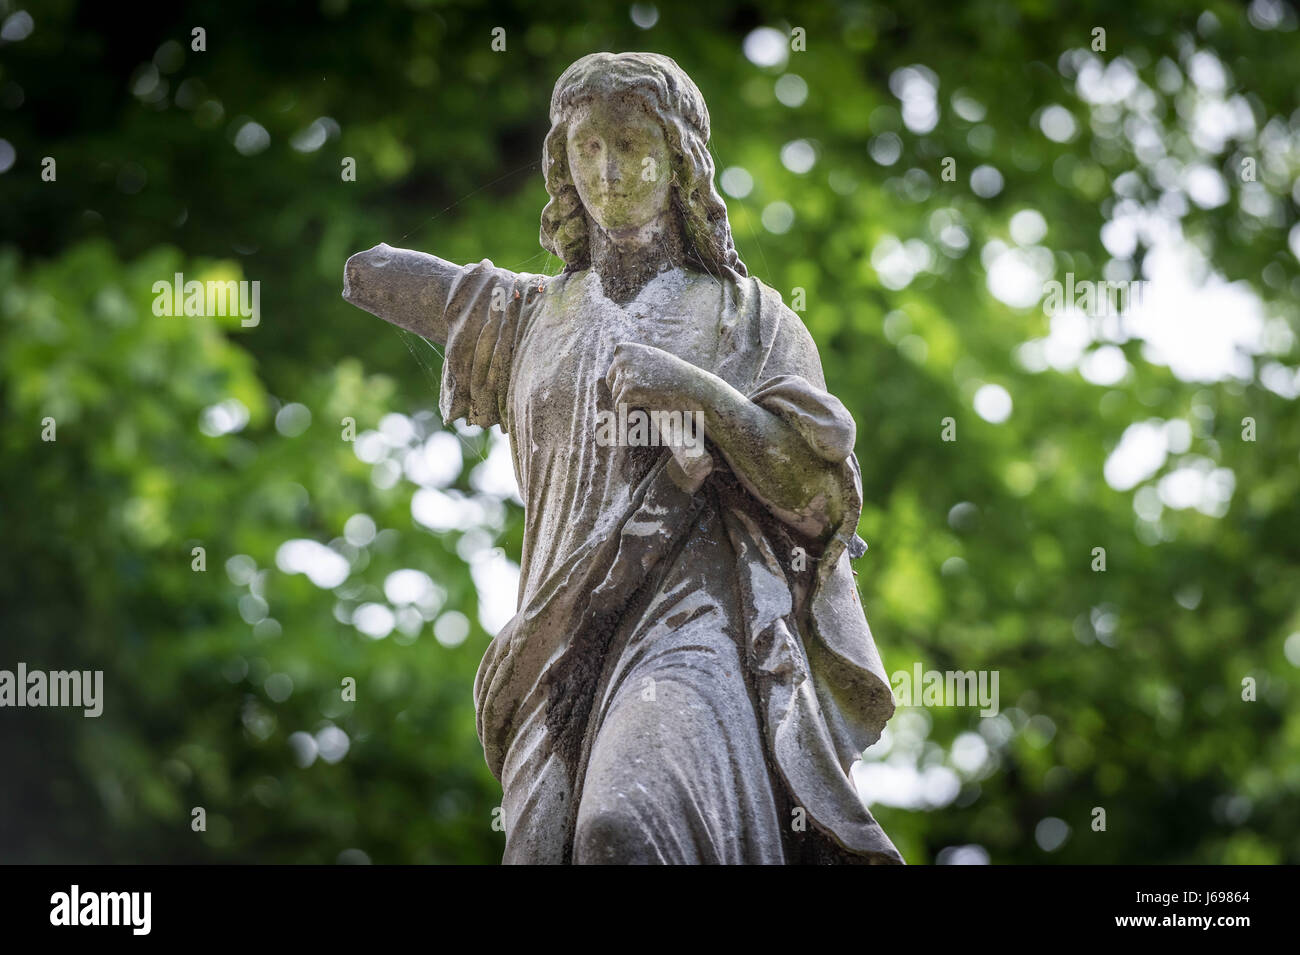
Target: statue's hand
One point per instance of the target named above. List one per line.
(406, 288)
(642, 376)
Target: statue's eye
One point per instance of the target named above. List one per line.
(592, 146)
(625, 145)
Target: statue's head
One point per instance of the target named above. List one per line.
(629, 139)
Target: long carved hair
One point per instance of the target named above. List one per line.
(673, 99)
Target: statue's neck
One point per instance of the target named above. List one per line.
(626, 262)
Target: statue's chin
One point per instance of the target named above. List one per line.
(628, 237)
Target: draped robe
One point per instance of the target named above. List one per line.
(688, 678)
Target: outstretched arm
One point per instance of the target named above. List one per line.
(406, 288)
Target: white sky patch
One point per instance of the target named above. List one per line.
(332, 743)
(1016, 276)
(1203, 331)
(293, 419)
(644, 15)
(435, 463)
(1198, 483)
(1207, 71)
(252, 138)
(968, 108)
(1120, 236)
(226, 417)
(397, 430)
(985, 181)
(1051, 833)
(1215, 121)
(962, 855)
(736, 182)
(1292, 649)
(446, 511)
(1104, 366)
(766, 46)
(1097, 82)
(1141, 452)
(375, 620)
(885, 148)
(890, 773)
(495, 476)
(798, 156)
(897, 263)
(310, 138)
(778, 217)
(1194, 482)
(360, 530)
(496, 578)
(1028, 227)
(905, 785)
(791, 89)
(451, 628)
(386, 474)
(1189, 318)
(917, 87)
(946, 225)
(888, 785)
(17, 27)
(969, 753)
(1280, 379)
(407, 587)
(1205, 186)
(324, 567)
(304, 748)
(369, 447)
(1178, 435)
(993, 403)
(1057, 123)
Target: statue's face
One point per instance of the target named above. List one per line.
(620, 163)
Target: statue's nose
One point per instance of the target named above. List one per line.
(613, 172)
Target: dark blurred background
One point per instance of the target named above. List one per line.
(1164, 149)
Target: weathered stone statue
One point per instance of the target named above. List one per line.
(690, 676)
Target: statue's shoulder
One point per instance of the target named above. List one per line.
(784, 334)
(537, 282)
(549, 286)
(775, 301)
(771, 311)
(754, 297)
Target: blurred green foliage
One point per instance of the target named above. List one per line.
(1120, 690)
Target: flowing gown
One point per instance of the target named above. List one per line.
(687, 679)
